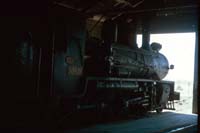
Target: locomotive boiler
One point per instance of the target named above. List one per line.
(130, 63)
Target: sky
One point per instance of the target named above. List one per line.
(179, 49)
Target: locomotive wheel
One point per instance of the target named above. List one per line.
(159, 110)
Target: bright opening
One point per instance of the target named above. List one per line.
(179, 48)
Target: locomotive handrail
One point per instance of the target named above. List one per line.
(139, 50)
(127, 79)
(114, 79)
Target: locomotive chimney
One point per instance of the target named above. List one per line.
(122, 32)
(127, 34)
(145, 34)
(116, 33)
(132, 36)
(108, 31)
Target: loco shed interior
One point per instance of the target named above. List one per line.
(75, 55)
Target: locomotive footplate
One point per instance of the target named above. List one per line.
(127, 94)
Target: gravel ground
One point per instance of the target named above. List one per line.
(184, 105)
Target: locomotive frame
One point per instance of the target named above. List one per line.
(150, 94)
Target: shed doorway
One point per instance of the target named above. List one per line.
(179, 48)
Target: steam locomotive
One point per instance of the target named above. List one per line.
(76, 73)
(113, 77)
(130, 78)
